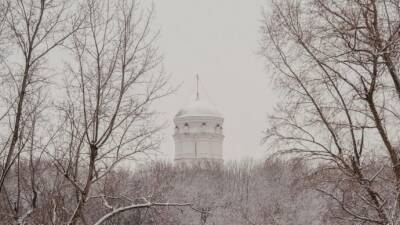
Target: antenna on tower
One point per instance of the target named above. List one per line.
(197, 85)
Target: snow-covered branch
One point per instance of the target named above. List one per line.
(146, 204)
(21, 220)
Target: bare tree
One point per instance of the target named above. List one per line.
(112, 81)
(334, 61)
(31, 31)
(36, 28)
(4, 9)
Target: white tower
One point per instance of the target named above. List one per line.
(198, 133)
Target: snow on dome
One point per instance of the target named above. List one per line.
(198, 108)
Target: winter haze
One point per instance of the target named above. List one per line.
(189, 112)
(218, 40)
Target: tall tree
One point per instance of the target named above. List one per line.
(111, 84)
(35, 29)
(335, 62)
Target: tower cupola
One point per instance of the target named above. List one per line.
(198, 133)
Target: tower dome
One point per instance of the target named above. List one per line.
(198, 108)
(198, 134)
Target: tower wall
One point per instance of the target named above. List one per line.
(198, 140)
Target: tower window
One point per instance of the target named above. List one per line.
(186, 124)
(203, 124)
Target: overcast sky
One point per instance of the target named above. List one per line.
(217, 39)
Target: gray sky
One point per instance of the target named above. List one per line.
(217, 39)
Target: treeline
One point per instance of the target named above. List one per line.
(274, 192)
(281, 192)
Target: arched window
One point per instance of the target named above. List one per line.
(218, 128)
(186, 129)
(203, 128)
